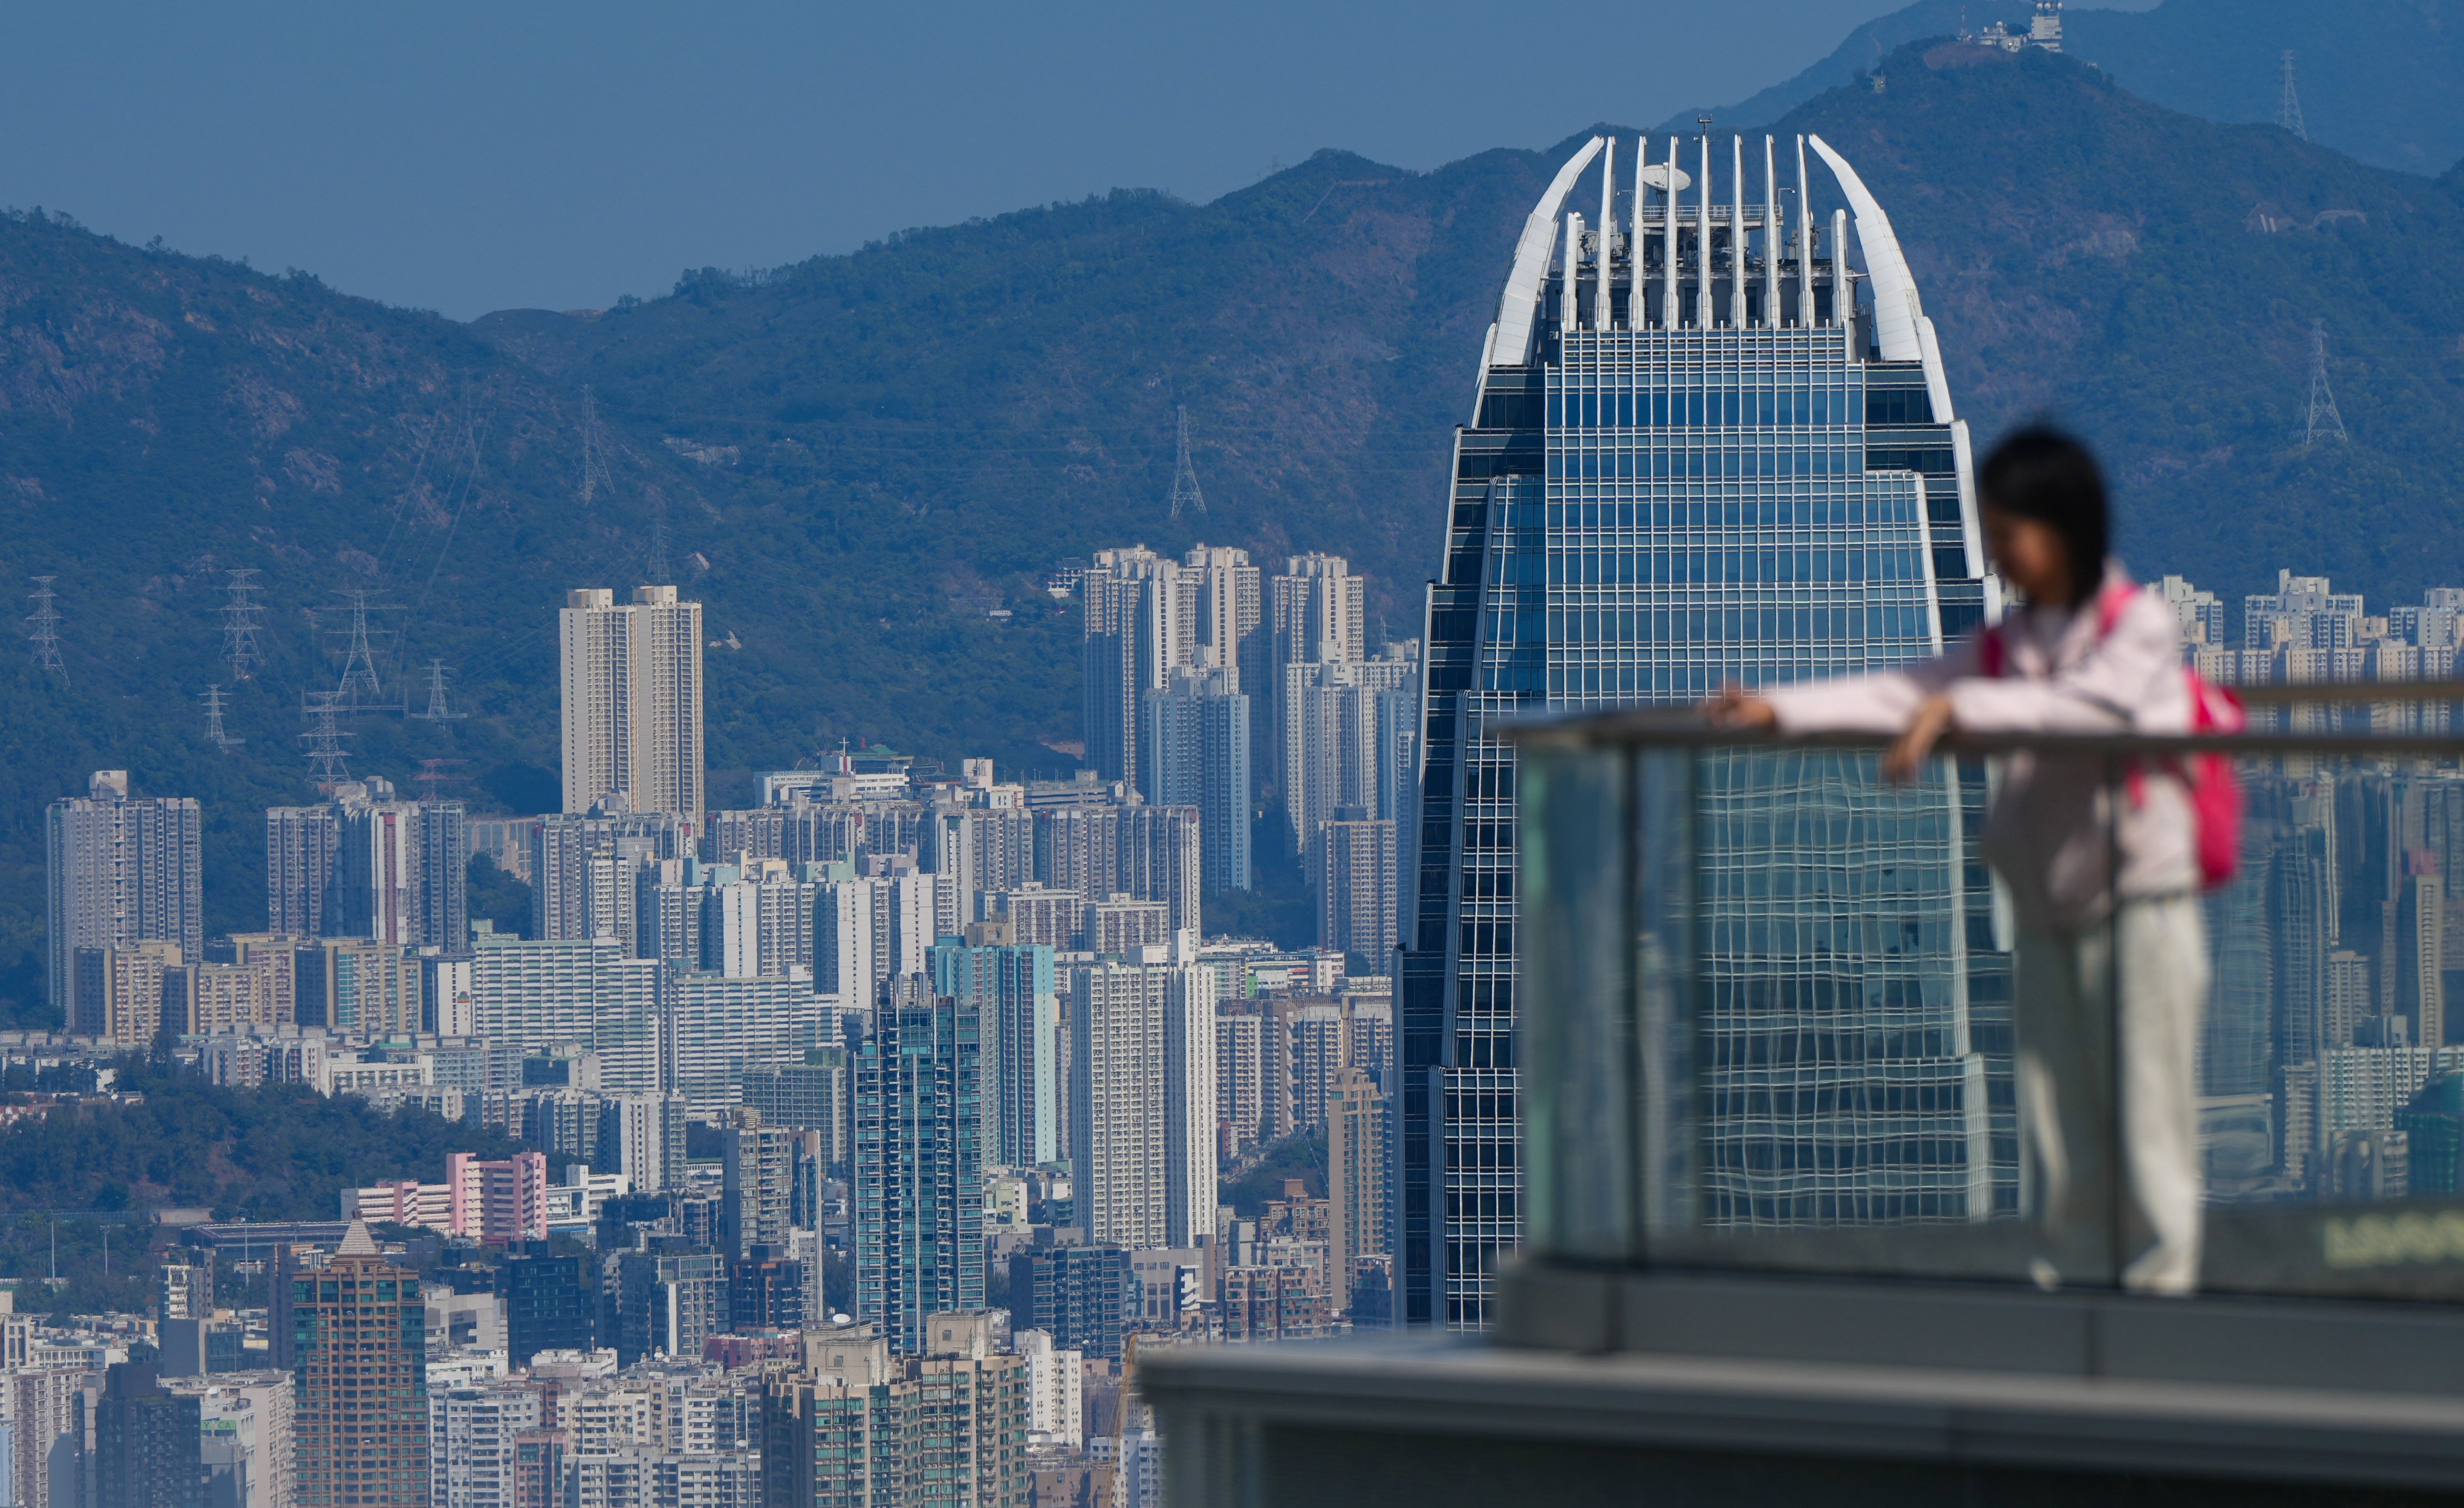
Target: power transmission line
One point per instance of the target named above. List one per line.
(2322, 421)
(1184, 476)
(2288, 106)
(242, 618)
(213, 697)
(45, 639)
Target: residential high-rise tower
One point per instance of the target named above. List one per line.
(1196, 751)
(352, 1333)
(919, 1217)
(632, 700)
(120, 871)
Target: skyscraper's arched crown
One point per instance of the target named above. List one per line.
(1762, 268)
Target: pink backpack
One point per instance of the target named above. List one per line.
(2216, 790)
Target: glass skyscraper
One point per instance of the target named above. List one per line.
(1706, 447)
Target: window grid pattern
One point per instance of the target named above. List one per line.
(1707, 507)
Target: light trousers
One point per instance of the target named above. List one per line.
(2155, 952)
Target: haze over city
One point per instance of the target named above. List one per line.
(782, 757)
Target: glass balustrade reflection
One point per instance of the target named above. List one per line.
(1780, 1018)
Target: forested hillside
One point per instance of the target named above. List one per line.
(859, 459)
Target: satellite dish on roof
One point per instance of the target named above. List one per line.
(1655, 175)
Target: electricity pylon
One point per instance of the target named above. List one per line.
(242, 617)
(359, 682)
(2322, 421)
(436, 709)
(213, 697)
(594, 451)
(1184, 476)
(326, 764)
(45, 637)
(2288, 105)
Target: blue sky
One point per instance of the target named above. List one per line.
(469, 156)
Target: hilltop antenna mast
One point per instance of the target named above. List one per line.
(242, 617)
(436, 709)
(213, 697)
(326, 766)
(594, 451)
(359, 671)
(2288, 107)
(1184, 476)
(45, 639)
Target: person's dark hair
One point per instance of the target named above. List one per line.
(2044, 475)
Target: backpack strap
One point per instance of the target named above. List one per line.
(2112, 602)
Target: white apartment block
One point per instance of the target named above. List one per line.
(1190, 1163)
(869, 930)
(1240, 1099)
(471, 1450)
(1055, 1391)
(714, 1028)
(533, 995)
(1117, 1119)
(1142, 1101)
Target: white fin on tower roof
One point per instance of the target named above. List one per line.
(1518, 311)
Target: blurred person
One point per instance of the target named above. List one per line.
(2103, 877)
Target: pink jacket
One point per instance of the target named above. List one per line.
(2048, 834)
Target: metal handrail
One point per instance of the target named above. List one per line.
(1685, 728)
(2308, 693)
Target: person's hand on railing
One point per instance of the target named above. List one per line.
(1905, 757)
(1737, 708)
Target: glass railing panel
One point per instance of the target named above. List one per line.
(1575, 884)
(1825, 1021)
(1780, 1014)
(2331, 1055)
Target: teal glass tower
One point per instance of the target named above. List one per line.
(1012, 990)
(919, 1223)
(1704, 446)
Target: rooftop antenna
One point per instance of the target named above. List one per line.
(438, 711)
(1184, 476)
(45, 639)
(359, 670)
(326, 766)
(242, 617)
(2288, 108)
(2322, 421)
(213, 697)
(594, 451)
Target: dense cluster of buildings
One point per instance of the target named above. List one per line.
(900, 1087)
(2329, 1067)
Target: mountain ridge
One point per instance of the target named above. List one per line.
(862, 458)
(2377, 78)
